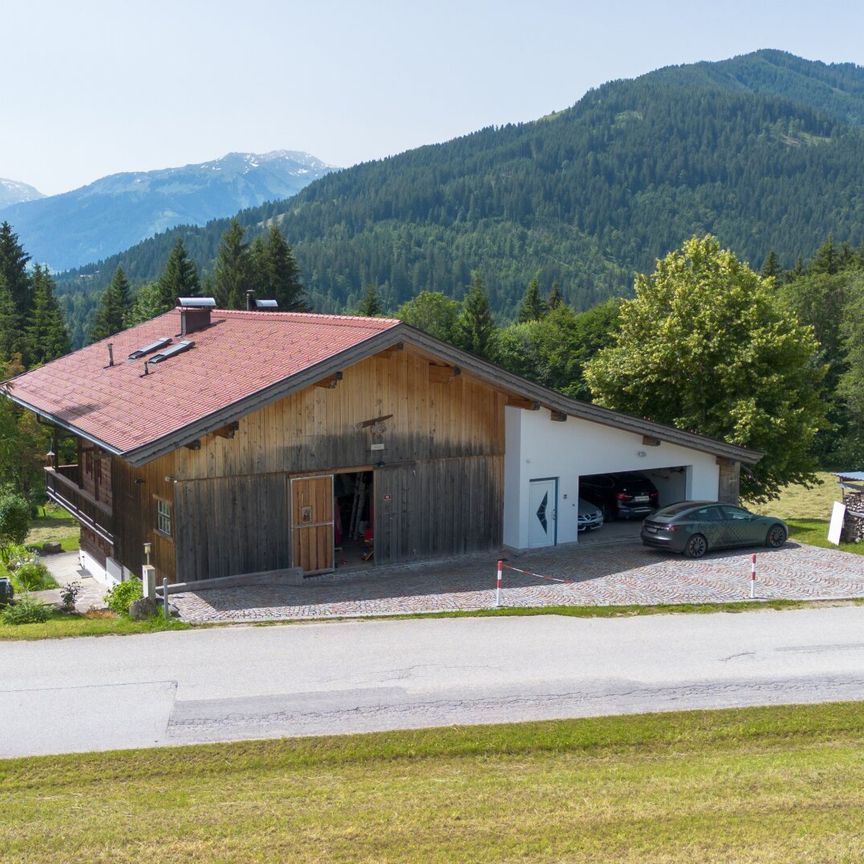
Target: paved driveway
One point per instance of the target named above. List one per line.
(594, 574)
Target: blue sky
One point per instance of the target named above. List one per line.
(99, 86)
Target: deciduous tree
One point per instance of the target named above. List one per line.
(705, 345)
(433, 313)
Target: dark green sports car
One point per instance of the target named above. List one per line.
(694, 527)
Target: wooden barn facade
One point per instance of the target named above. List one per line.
(227, 442)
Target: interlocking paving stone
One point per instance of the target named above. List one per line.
(613, 575)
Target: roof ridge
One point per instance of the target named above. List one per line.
(346, 320)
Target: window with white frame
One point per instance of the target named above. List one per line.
(163, 517)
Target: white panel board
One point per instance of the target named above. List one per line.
(835, 529)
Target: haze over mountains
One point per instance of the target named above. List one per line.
(764, 150)
(115, 212)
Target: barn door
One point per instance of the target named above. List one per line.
(543, 512)
(312, 523)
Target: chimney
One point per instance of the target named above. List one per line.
(110, 353)
(250, 300)
(194, 313)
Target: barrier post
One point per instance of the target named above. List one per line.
(165, 599)
(498, 583)
(753, 577)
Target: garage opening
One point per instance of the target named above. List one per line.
(633, 495)
(354, 516)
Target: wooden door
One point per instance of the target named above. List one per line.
(312, 523)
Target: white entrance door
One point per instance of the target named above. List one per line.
(543, 512)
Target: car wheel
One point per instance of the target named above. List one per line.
(696, 546)
(776, 536)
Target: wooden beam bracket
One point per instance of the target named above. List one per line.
(443, 374)
(330, 382)
(193, 445)
(650, 441)
(522, 402)
(228, 431)
(557, 416)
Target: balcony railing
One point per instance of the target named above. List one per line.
(61, 484)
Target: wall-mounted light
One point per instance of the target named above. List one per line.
(147, 549)
(641, 454)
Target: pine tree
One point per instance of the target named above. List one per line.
(555, 297)
(178, 279)
(277, 276)
(533, 307)
(234, 274)
(370, 302)
(13, 270)
(475, 329)
(10, 332)
(114, 308)
(771, 266)
(826, 259)
(46, 336)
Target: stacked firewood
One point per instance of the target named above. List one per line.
(853, 524)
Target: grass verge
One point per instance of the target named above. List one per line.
(768, 785)
(61, 625)
(814, 532)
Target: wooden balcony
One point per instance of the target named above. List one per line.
(61, 484)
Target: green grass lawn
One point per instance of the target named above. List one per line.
(62, 625)
(54, 525)
(757, 785)
(808, 512)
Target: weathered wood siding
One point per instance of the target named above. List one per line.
(135, 491)
(443, 506)
(232, 498)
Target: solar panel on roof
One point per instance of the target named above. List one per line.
(149, 349)
(179, 348)
(266, 304)
(197, 302)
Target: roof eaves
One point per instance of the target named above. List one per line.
(61, 424)
(576, 408)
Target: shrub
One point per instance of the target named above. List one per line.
(14, 519)
(123, 595)
(32, 576)
(15, 554)
(26, 610)
(68, 594)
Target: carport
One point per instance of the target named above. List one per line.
(549, 452)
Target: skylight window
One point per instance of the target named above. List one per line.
(178, 348)
(149, 349)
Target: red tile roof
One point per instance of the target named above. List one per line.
(239, 354)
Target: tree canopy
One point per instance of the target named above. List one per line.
(707, 346)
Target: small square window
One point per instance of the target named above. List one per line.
(163, 517)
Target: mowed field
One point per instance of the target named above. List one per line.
(807, 511)
(757, 785)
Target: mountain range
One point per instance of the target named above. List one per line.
(13, 192)
(764, 150)
(115, 212)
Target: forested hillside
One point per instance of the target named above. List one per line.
(764, 151)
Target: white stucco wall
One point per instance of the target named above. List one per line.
(538, 447)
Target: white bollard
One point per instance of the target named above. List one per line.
(498, 583)
(753, 577)
(165, 598)
(148, 581)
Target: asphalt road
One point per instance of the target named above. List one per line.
(225, 684)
